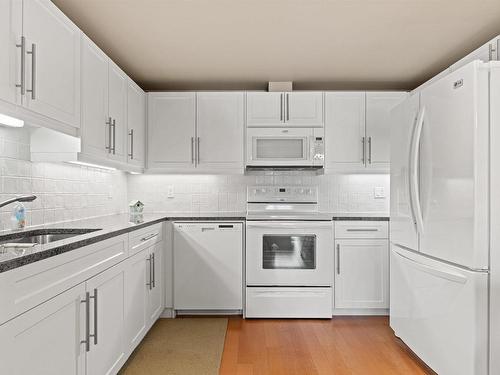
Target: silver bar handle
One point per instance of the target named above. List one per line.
(281, 107)
(143, 239)
(131, 134)
(192, 150)
(363, 157)
(86, 301)
(33, 71)
(109, 135)
(114, 136)
(94, 297)
(369, 150)
(153, 267)
(150, 283)
(22, 85)
(338, 259)
(287, 107)
(362, 230)
(198, 150)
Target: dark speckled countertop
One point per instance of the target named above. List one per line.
(107, 227)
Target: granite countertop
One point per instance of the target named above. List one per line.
(107, 227)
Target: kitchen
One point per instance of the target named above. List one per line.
(196, 220)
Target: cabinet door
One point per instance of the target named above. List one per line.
(53, 68)
(117, 86)
(304, 109)
(47, 339)
(95, 128)
(155, 306)
(107, 349)
(11, 17)
(361, 274)
(220, 123)
(378, 111)
(344, 130)
(136, 299)
(265, 108)
(136, 121)
(171, 130)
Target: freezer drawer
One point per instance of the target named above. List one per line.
(288, 302)
(440, 312)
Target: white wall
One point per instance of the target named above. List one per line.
(337, 193)
(65, 191)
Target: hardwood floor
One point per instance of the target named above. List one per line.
(341, 346)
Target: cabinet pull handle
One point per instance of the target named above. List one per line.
(33, 71)
(198, 149)
(338, 259)
(114, 136)
(369, 150)
(150, 283)
(364, 151)
(109, 135)
(362, 230)
(86, 301)
(148, 237)
(287, 107)
(281, 107)
(154, 273)
(131, 134)
(94, 297)
(22, 85)
(192, 150)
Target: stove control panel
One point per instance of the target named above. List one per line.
(269, 194)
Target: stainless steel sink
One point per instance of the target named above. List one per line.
(41, 236)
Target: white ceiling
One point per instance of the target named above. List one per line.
(318, 44)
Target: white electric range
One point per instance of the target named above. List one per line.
(289, 254)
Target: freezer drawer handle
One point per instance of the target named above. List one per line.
(435, 271)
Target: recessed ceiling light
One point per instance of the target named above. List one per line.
(11, 121)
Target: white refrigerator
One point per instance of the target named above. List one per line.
(445, 232)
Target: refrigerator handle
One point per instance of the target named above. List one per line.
(414, 164)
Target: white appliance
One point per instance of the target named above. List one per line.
(289, 254)
(208, 267)
(285, 147)
(444, 156)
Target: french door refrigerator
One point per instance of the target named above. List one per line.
(444, 221)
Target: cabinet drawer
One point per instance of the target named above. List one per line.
(144, 238)
(26, 287)
(361, 229)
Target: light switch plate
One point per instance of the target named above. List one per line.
(379, 193)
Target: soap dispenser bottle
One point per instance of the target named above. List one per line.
(18, 218)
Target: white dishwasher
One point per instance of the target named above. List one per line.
(208, 267)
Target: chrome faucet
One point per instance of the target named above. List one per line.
(24, 198)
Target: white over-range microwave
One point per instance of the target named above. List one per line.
(285, 148)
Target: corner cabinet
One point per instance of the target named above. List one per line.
(361, 283)
(298, 108)
(357, 130)
(196, 132)
(41, 69)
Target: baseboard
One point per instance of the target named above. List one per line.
(363, 312)
(168, 313)
(208, 312)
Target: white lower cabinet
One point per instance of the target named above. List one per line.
(361, 281)
(106, 321)
(155, 295)
(46, 340)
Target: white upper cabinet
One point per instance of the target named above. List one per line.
(220, 129)
(95, 119)
(171, 130)
(378, 110)
(11, 17)
(304, 109)
(136, 122)
(344, 129)
(357, 129)
(52, 62)
(271, 109)
(117, 94)
(265, 108)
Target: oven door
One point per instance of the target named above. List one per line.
(285, 147)
(289, 253)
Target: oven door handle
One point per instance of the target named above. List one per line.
(294, 225)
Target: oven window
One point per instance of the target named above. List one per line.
(289, 251)
(279, 148)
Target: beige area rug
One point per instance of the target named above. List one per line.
(182, 346)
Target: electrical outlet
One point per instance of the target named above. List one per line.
(170, 191)
(379, 193)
